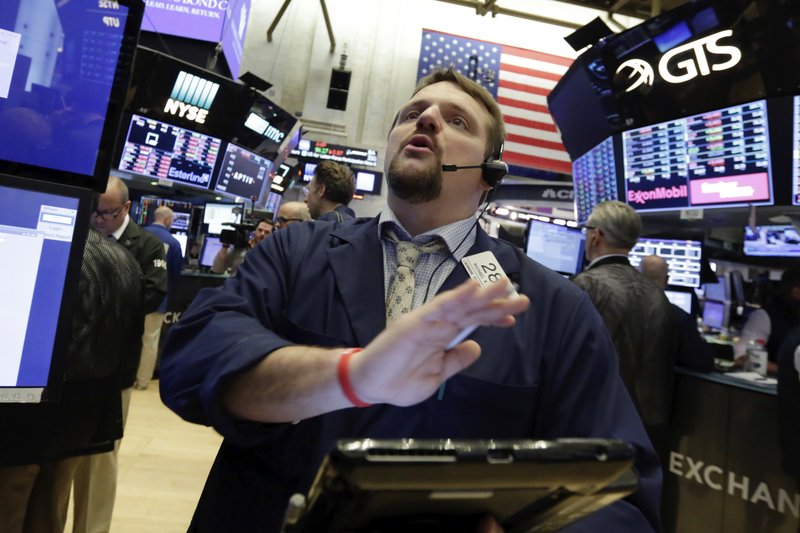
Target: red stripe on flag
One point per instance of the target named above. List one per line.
(530, 106)
(530, 72)
(531, 161)
(530, 89)
(538, 56)
(543, 126)
(532, 141)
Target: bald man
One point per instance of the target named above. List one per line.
(291, 212)
(692, 351)
(162, 223)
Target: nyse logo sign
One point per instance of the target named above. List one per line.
(685, 62)
(191, 97)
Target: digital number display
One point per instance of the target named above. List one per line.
(163, 151)
(714, 159)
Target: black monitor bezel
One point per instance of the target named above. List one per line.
(116, 103)
(63, 336)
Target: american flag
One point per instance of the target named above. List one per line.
(520, 81)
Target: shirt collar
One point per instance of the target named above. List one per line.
(596, 259)
(453, 234)
(120, 230)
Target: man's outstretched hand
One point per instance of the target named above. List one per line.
(408, 361)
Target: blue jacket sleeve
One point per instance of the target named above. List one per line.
(226, 331)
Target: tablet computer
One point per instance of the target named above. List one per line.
(371, 485)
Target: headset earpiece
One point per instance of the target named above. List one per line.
(493, 171)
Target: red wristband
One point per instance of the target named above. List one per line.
(343, 373)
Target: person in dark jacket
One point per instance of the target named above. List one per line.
(635, 311)
(272, 358)
(43, 443)
(691, 350)
(789, 403)
(160, 227)
(96, 477)
(330, 191)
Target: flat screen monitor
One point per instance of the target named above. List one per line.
(681, 299)
(720, 158)
(717, 291)
(183, 240)
(215, 215)
(557, 247)
(181, 211)
(308, 171)
(715, 315)
(595, 179)
(273, 202)
(242, 173)
(64, 73)
(772, 241)
(684, 258)
(368, 181)
(165, 152)
(796, 150)
(211, 246)
(43, 229)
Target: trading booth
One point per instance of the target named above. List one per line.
(693, 119)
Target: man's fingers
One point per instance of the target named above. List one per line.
(460, 357)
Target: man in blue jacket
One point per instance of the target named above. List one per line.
(162, 223)
(268, 359)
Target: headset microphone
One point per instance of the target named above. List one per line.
(493, 170)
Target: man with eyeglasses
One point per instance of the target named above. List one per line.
(636, 313)
(330, 191)
(96, 476)
(290, 213)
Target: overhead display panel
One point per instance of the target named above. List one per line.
(163, 151)
(719, 158)
(595, 178)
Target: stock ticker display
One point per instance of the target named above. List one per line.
(242, 172)
(714, 159)
(683, 258)
(167, 152)
(595, 178)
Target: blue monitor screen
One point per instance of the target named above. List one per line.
(308, 171)
(557, 247)
(595, 177)
(211, 246)
(683, 258)
(714, 315)
(242, 173)
(772, 241)
(273, 202)
(59, 81)
(163, 151)
(37, 230)
(717, 291)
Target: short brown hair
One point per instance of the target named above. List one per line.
(338, 181)
(497, 131)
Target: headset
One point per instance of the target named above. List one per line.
(494, 168)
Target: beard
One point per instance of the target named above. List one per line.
(413, 184)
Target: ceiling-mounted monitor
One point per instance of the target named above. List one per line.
(165, 152)
(684, 258)
(242, 173)
(720, 158)
(772, 241)
(595, 177)
(64, 71)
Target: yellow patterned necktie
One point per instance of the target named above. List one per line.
(401, 293)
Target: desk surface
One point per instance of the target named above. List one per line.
(768, 387)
